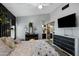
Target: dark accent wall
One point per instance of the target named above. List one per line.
(7, 19)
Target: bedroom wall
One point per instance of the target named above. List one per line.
(23, 21)
(69, 32)
(58, 13)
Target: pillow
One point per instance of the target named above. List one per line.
(3, 39)
(4, 49)
(9, 42)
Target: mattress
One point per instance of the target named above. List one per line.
(34, 48)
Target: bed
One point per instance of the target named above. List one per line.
(32, 48)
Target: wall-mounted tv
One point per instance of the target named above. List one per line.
(67, 21)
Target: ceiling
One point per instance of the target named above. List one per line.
(28, 9)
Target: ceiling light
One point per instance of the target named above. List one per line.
(40, 6)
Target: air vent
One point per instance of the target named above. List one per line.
(66, 6)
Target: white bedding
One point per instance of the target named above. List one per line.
(34, 48)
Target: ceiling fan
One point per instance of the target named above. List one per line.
(41, 5)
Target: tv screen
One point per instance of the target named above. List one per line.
(67, 21)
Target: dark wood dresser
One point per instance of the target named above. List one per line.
(31, 36)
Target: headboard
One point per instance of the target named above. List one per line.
(65, 43)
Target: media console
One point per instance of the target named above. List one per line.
(65, 43)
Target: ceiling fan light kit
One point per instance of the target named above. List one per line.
(42, 5)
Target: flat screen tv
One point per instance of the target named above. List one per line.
(67, 21)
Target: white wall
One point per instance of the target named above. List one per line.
(73, 8)
(21, 22)
(70, 32)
